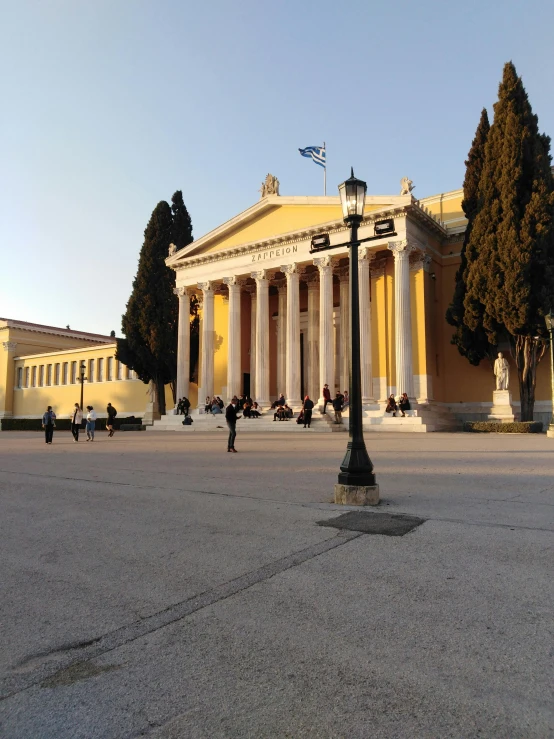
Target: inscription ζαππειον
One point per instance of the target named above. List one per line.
(271, 253)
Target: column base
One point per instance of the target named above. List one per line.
(356, 494)
(550, 431)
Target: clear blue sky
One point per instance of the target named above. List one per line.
(109, 106)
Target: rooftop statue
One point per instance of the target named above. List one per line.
(172, 249)
(406, 186)
(270, 186)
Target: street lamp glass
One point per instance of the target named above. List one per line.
(549, 320)
(352, 198)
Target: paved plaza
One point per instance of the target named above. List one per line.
(155, 586)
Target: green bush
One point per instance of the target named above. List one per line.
(62, 424)
(518, 427)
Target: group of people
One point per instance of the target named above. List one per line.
(213, 405)
(401, 403)
(76, 419)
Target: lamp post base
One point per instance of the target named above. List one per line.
(356, 494)
(550, 431)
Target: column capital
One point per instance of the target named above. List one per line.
(183, 291)
(206, 286)
(420, 260)
(9, 346)
(280, 284)
(260, 276)
(366, 254)
(343, 273)
(311, 279)
(401, 249)
(377, 267)
(291, 269)
(252, 290)
(234, 281)
(324, 264)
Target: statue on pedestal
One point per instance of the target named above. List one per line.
(501, 372)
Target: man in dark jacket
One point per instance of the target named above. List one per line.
(308, 407)
(326, 397)
(231, 417)
(112, 413)
(337, 407)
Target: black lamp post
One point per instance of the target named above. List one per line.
(356, 468)
(550, 328)
(82, 378)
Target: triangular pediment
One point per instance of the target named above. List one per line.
(272, 216)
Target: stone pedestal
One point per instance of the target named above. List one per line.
(151, 414)
(356, 494)
(502, 407)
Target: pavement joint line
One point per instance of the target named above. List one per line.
(106, 643)
(318, 506)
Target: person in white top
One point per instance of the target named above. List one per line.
(91, 422)
(76, 420)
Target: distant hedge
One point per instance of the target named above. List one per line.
(495, 427)
(62, 424)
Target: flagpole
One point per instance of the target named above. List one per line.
(325, 171)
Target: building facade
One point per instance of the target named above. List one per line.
(274, 313)
(274, 319)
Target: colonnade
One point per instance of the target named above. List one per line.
(320, 345)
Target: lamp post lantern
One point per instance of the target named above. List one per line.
(356, 480)
(82, 378)
(549, 318)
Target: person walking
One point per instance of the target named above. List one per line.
(112, 413)
(76, 420)
(326, 397)
(231, 417)
(307, 407)
(49, 424)
(337, 407)
(91, 423)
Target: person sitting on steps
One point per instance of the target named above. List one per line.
(391, 405)
(404, 404)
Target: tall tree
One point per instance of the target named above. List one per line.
(181, 233)
(181, 236)
(150, 321)
(510, 283)
(472, 344)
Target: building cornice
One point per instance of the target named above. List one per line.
(76, 350)
(7, 323)
(292, 237)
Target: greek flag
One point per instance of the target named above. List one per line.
(315, 153)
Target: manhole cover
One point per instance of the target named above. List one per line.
(387, 524)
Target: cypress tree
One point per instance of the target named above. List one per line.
(181, 233)
(150, 321)
(181, 236)
(472, 344)
(510, 282)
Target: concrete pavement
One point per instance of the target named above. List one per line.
(154, 585)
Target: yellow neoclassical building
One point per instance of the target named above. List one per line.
(274, 317)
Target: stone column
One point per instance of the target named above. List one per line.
(183, 342)
(326, 344)
(234, 338)
(313, 335)
(282, 337)
(344, 352)
(262, 338)
(207, 381)
(252, 290)
(8, 379)
(293, 335)
(402, 317)
(365, 257)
